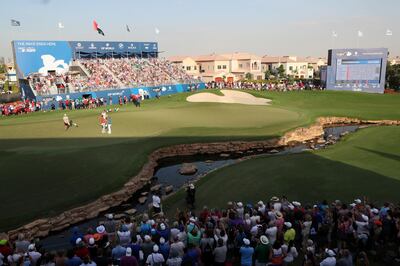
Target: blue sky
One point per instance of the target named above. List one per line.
(285, 27)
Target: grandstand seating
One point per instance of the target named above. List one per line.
(113, 73)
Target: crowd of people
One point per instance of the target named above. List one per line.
(284, 85)
(111, 73)
(276, 232)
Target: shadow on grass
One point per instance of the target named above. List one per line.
(43, 177)
(305, 177)
(383, 154)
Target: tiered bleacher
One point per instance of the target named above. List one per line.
(112, 73)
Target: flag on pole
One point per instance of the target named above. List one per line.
(389, 32)
(127, 28)
(334, 34)
(157, 31)
(360, 34)
(15, 23)
(60, 25)
(96, 28)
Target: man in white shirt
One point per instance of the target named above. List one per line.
(155, 258)
(33, 254)
(271, 232)
(156, 203)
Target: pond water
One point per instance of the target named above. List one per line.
(168, 174)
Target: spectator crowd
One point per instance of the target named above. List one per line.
(277, 232)
(284, 85)
(102, 74)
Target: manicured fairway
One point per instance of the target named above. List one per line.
(366, 163)
(45, 170)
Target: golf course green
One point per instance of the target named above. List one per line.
(46, 170)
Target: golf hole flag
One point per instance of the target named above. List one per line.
(96, 28)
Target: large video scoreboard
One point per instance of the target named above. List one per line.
(357, 70)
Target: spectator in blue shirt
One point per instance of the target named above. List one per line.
(246, 253)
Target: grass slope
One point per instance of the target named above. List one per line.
(46, 170)
(364, 164)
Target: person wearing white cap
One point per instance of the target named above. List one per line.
(261, 206)
(33, 254)
(330, 259)
(155, 258)
(128, 259)
(240, 210)
(246, 253)
(290, 233)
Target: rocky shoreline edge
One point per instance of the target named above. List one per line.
(44, 226)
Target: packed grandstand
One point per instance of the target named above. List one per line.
(111, 73)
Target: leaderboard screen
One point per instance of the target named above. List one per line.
(352, 71)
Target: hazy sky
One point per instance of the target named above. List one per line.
(283, 27)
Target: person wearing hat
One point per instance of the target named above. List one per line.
(240, 210)
(76, 233)
(128, 259)
(147, 246)
(92, 247)
(246, 253)
(81, 250)
(155, 258)
(290, 233)
(263, 251)
(330, 259)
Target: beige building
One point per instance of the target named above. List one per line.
(294, 66)
(187, 63)
(219, 67)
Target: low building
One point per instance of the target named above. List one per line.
(294, 66)
(221, 67)
(187, 63)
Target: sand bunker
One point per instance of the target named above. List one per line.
(230, 96)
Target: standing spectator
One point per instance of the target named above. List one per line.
(155, 258)
(246, 253)
(263, 251)
(220, 253)
(156, 203)
(128, 259)
(174, 259)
